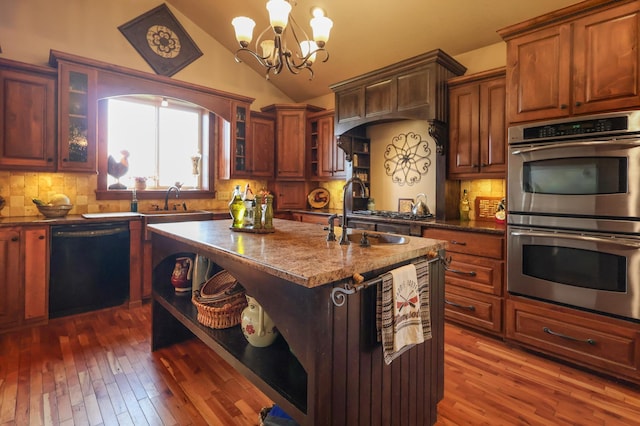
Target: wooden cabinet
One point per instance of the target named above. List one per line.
(262, 133)
(23, 276)
(27, 117)
(10, 278)
(474, 278)
(326, 160)
(321, 219)
(289, 195)
(77, 118)
(249, 151)
(602, 343)
(581, 59)
(291, 124)
(477, 126)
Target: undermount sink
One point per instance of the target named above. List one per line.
(162, 216)
(377, 238)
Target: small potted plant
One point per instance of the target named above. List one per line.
(140, 182)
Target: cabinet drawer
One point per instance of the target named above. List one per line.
(468, 242)
(475, 273)
(587, 339)
(474, 309)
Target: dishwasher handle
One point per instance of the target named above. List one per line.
(89, 233)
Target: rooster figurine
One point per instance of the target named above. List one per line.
(117, 169)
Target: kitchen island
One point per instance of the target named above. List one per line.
(326, 368)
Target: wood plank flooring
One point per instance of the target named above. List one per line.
(97, 369)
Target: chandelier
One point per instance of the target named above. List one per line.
(275, 54)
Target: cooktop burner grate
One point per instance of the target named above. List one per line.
(393, 215)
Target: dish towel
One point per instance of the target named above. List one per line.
(403, 316)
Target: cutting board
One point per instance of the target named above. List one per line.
(486, 208)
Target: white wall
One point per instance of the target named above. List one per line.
(89, 28)
(383, 190)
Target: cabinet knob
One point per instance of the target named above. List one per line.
(578, 103)
(49, 160)
(41, 237)
(14, 239)
(64, 160)
(563, 106)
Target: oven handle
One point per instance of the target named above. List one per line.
(614, 241)
(580, 144)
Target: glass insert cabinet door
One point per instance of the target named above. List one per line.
(77, 118)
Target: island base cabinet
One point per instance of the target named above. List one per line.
(326, 368)
(601, 343)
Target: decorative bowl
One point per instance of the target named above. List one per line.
(55, 211)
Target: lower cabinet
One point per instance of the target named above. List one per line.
(602, 343)
(474, 278)
(311, 218)
(289, 195)
(24, 275)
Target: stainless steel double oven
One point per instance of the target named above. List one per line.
(574, 212)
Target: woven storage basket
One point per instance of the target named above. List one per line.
(223, 304)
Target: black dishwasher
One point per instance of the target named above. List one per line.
(89, 267)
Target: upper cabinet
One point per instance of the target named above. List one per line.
(27, 117)
(248, 152)
(291, 135)
(77, 118)
(326, 160)
(578, 60)
(262, 133)
(477, 127)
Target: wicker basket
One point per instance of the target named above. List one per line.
(223, 303)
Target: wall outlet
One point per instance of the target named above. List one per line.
(224, 195)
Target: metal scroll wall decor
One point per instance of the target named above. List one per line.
(407, 159)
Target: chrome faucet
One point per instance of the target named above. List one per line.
(166, 197)
(343, 238)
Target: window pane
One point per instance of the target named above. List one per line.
(179, 137)
(132, 127)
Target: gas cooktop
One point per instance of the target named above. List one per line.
(393, 215)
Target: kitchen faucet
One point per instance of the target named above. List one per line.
(166, 197)
(343, 238)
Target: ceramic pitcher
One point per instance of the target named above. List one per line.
(181, 276)
(258, 328)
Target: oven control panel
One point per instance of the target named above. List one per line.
(576, 127)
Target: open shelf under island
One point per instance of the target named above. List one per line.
(326, 367)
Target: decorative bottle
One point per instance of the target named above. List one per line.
(248, 199)
(268, 213)
(236, 208)
(464, 206)
(134, 201)
(257, 212)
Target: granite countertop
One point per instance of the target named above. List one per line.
(296, 251)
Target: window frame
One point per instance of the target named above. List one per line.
(102, 191)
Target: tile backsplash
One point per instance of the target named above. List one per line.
(483, 188)
(19, 188)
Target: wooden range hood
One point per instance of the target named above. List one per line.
(413, 89)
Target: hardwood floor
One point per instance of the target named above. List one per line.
(97, 369)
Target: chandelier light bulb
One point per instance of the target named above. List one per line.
(308, 47)
(278, 14)
(321, 26)
(268, 49)
(244, 29)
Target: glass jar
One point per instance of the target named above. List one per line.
(237, 208)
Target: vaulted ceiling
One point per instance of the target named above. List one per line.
(370, 34)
